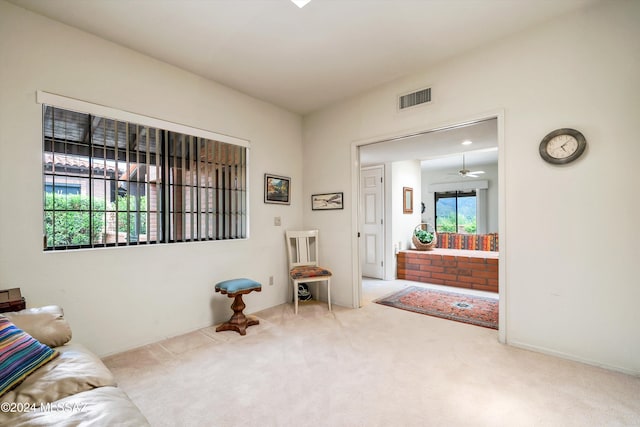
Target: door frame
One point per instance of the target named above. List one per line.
(502, 212)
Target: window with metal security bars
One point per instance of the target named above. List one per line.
(110, 183)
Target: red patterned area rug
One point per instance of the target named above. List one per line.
(481, 311)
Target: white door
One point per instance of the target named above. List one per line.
(372, 209)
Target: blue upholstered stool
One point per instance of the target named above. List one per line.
(235, 288)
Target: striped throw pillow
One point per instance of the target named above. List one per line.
(20, 355)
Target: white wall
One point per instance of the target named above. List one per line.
(570, 233)
(120, 298)
(443, 176)
(403, 174)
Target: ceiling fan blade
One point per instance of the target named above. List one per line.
(477, 172)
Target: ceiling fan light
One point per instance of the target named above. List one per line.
(300, 3)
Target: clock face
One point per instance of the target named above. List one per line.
(562, 146)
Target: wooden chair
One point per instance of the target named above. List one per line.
(302, 247)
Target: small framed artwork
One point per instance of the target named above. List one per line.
(277, 189)
(327, 201)
(407, 206)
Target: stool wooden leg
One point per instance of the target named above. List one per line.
(238, 322)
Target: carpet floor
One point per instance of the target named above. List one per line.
(476, 310)
(367, 367)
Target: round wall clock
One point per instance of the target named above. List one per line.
(562, 146)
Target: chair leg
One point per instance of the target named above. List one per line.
(329, 293)
(295, 296)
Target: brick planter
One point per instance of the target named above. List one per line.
(450, 267)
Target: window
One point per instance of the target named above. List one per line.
(62, 188)
(109, 182)
(456, 211)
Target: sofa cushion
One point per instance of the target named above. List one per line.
(46, 324)
(478, 242)
(100, 407)
(20, 355)
(74, 371)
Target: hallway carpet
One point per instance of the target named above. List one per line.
(367, 367)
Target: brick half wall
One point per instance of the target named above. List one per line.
(471, 270)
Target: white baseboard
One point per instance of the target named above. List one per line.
(572, 357)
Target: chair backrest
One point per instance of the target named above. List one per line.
(302, 247)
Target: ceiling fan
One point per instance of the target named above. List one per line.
(466, 172)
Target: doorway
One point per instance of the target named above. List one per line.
(421, 145)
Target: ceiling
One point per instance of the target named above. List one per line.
(302, 59)
(440, 150)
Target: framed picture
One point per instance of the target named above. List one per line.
(277, 189)
(407, 206)
(322, 202)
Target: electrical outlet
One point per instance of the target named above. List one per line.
(277, 221)
(270, 280)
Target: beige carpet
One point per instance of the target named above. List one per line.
(376, 366)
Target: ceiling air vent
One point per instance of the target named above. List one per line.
(413, 99)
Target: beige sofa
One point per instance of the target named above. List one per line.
(73, 389)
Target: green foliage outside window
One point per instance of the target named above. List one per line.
(469, 227)
(70, 224)
(448, 223)
(67, 218)
(141, 228)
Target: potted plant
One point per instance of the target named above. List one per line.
(423, 239)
